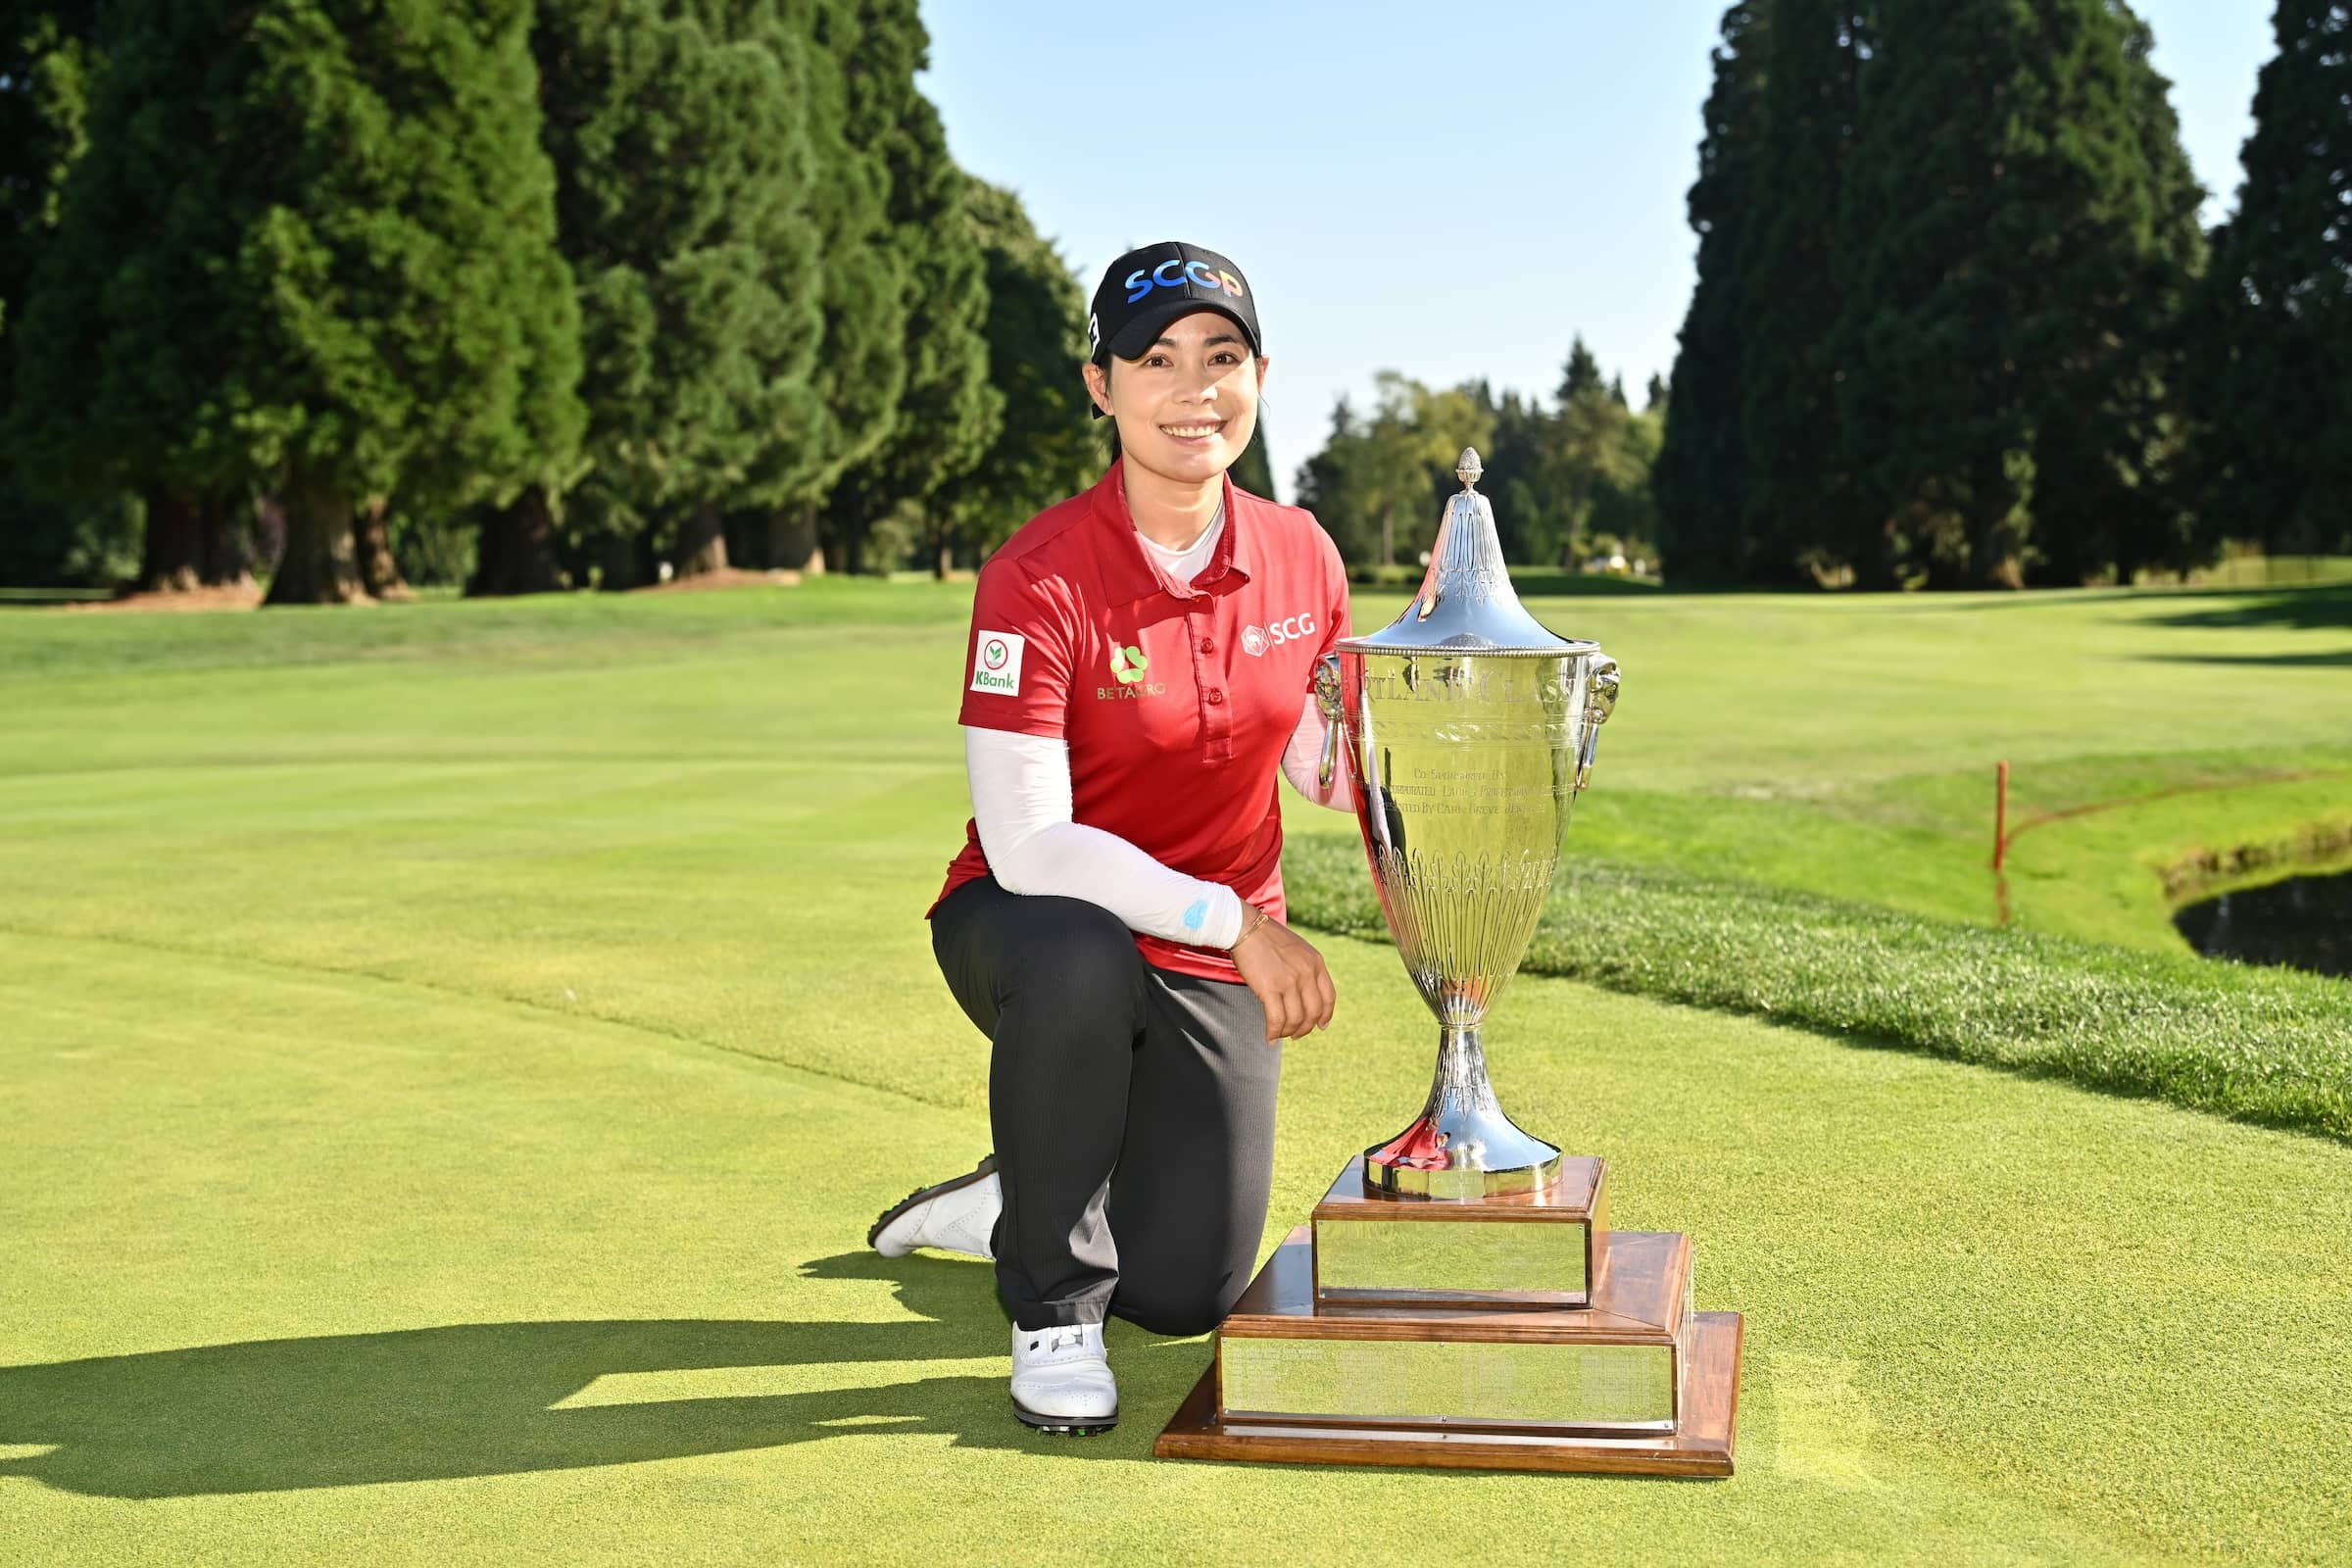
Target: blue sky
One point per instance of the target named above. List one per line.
(1448, 190)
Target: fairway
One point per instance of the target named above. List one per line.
(454, 1052)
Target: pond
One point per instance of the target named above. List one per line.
(2304, 921)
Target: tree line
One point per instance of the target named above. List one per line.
(531, 295)
(1956, 322)
(535, 294)
(1568, 480)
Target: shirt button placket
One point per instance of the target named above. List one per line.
(1216, 727)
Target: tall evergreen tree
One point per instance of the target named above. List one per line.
(427, 301)
(1254, 470)
(2111, 490)
(860, 373)
(1993, 214)
(1624, 509)
(1581, 374)
(48, 54)
(1788, 280)
(48, 49)
(2275, 335)
(1527, 511)
(683, 165)
(327, 246)
(947, 414)
(1332, 485)
(128, 334)
(1045, 448)
(1702, 470)
(1591, 459)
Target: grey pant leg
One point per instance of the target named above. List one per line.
(1102, 1064)
(1188, 1203)
(1058, 987)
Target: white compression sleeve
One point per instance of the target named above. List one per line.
(1021, 802)
(1302, 761)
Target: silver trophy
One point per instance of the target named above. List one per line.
(1468, 729)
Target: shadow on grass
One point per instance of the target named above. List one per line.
(476, 1398)
(2314, 608)
(2334, 659)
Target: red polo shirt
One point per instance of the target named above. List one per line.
(1176, 700)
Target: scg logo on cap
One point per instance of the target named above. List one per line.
(1144, 280)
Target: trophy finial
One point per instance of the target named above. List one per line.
(1467, 468)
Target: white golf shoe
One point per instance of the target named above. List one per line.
(1061, 1380)
(956, 1216)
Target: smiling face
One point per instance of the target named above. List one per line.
(1186, 406)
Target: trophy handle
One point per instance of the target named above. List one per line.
(1335, 732)
(1600, 700)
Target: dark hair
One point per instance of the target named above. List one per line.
(1109, 424)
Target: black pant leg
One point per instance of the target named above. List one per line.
(1059, 988)
(1188, 1203)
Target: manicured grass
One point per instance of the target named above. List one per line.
(2267, 1046)
(1847, 746)
(454, 1052)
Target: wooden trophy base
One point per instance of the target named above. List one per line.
(1538, 1249)
(1701, 1448)
(1516, 1335)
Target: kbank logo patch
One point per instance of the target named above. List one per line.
(1127, 665)
(996, 662)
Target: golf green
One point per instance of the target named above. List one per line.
(452, 1054)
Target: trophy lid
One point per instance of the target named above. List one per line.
(1466, 604)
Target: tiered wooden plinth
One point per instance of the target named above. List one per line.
(1538, 1249)
(1572, 1348)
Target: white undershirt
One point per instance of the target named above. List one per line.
(1184, 564)
(1021, 805)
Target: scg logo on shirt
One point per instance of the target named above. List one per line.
(1256, 640)
(996, 662)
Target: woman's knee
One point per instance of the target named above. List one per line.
(1179, 1321)
(1178, 1308)
(1077, 954)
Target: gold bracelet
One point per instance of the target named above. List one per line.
(1251, 929)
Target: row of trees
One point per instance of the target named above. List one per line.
(548, 292)
(1955, 319)
(594, 282)
(1567, 480)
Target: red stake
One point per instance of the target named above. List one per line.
(2000, 814)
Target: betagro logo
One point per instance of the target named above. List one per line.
(1127, 666)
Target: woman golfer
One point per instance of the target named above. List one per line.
(1138, 671)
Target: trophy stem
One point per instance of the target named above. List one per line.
(1461, 1145)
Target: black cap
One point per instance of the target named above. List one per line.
(1146, 290)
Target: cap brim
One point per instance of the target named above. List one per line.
(1143, 329)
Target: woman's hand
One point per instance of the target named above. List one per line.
(1287, 976)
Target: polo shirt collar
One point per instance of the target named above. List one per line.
(1128, 571)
